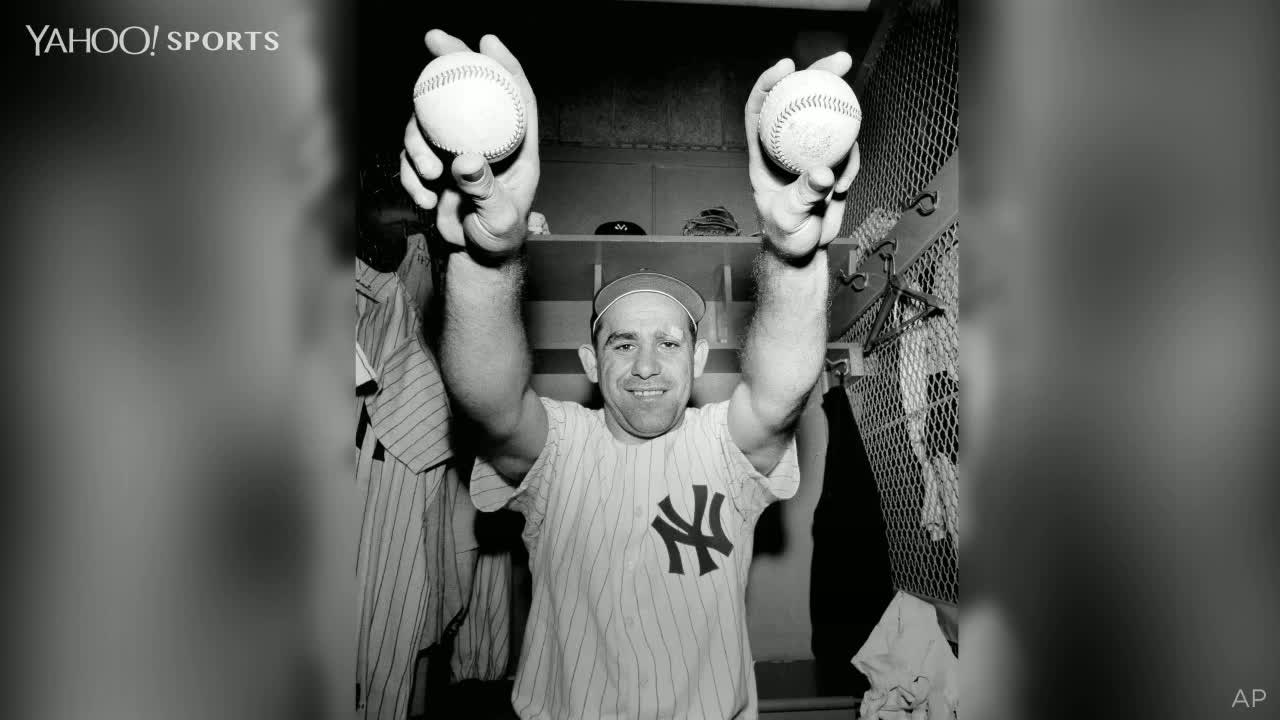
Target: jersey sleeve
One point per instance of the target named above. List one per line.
(752, 491)
(490, 491)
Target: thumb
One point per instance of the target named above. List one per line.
(809, 189)
(803, 194)
(495, 223)
(475, 179)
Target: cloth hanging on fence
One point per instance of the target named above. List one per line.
(417, 545)
(912, 374)
(912, 671)
(928, 380)
(942, 439)
(942, 423)
(851, 582)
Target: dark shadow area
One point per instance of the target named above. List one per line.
(472, 699)
(636, 54)
(771, 536)
(851, 580)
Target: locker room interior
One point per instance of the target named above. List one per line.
(640, 120)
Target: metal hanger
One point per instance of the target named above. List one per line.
(894, 290)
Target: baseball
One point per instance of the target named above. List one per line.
(467, 102)
(810, 118)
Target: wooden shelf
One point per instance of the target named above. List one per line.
(564, 360)
(564, 324)
(564, 272)
(548, 361)
(563, 267)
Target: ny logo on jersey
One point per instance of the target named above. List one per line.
(674, 529)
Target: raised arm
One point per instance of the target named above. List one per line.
(484, 355)
(786, 341)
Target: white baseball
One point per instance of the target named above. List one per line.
(468, 102)
(810, 118)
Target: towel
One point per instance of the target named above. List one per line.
(912, 671)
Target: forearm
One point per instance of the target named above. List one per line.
(787, 338)
(484, 353)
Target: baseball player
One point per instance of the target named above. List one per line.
(638, 516)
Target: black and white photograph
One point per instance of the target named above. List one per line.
(658, 362)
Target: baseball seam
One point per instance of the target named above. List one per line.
(827, 102)
(466, 72)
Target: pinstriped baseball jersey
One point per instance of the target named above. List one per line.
(639, 555)
(402, 447)
(417, 543)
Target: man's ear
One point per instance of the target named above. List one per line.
(587, 356)
(700, 351)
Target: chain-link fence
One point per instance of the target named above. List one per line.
(907, 402)
(907, 410)
(911, 109)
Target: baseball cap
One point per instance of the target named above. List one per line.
(652, 282)
(619, 227)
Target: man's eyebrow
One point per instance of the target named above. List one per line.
(620, 335)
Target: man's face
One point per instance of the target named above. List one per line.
(645, 360)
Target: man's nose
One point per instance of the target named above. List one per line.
(646, 364)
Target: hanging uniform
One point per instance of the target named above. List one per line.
(413, 574)
(481, 648)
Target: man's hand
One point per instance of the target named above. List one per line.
(477, 209)
(804, 213)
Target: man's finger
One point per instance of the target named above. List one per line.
(420, 153)
(493, 47)
(447, 221)
(472, 176)
(802, 195)
(755, 158)
(814, 185)
(751, 117)
(838, 63)
(765, 83)
(475, 180)
(440, 43)
(832, 220)
(409, 180)
(850, 171)
(496, 219)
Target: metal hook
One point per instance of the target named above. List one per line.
(920, 196)
(879, 247)
(858, 281)
(841, 367)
